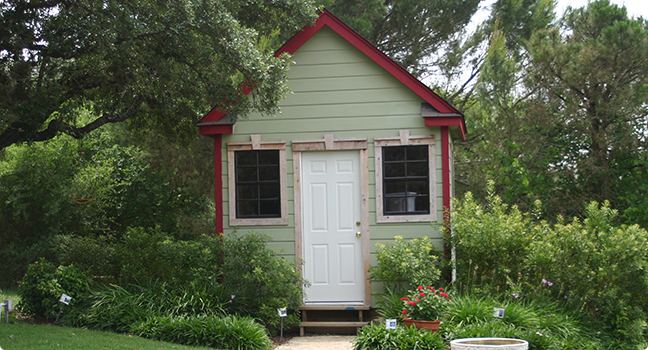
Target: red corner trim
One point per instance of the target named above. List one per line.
(445, 170)
(328, 19)
(218, 182)
(448, 121)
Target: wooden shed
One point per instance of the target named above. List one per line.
(361, 152)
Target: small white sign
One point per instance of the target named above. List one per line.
(283, 312)
(65, 299)
(390, 323)
(499, 313)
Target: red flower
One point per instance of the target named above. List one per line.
(444, 295)
(422, 294)
(411, 303)
(441, 289)
(405, 298)
(417, 299)
(429, 287)
(433, 290)
(419, 287)
(404, 312)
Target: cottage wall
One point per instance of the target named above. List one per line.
(339, 90)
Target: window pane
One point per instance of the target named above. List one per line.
(391, 154)
(245, 158)
(269, 191)
(417, 169)
(422, 204)
(395, 170)
(394, 187)
(417, 153)
(246, 174)
(417, 187)
(395, 205)
(269, 173)
(269, 207)
(268, 157)
(248, 192)
(247, 208)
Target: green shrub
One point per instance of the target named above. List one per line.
(543, 326)
(406, 264)
(594, 267)
(257, 281)
(116, 308)
(43, 285)
(376, 337)
(229, 332)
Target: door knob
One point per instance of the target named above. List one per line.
(358, 234)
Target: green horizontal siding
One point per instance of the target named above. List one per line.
(338, 90)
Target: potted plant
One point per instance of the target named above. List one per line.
(423, 306)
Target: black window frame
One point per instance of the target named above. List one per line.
(409, 180)
(258, 166)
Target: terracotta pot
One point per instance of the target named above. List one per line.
(433, 326)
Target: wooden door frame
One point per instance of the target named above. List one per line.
(329, 143)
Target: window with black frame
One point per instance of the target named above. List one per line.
(406, 179)
(258, 190)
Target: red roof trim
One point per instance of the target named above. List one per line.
(448, 121)
(215, 129)
(328, 19)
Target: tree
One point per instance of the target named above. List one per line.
(593, 79)
(160, 64)
(413, 33)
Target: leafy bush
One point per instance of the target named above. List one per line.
(406, 264)
(376, 337)
(43, 285)
(593, 267)
(116, 308)
(259, 280)
(229, 332)
(543, 326)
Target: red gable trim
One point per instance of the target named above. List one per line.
(328, 19)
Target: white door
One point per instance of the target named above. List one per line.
(331, 199)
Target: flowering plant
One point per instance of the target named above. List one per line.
(425, 304)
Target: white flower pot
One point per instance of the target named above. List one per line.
(489, 344)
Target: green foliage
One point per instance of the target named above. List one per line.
(116, 308)
(42, 181)
(490, 243)
(123, 57)
(259, 280)
(43, 285)
(406, 263)
(376, 337)
(544, 326)
(593, 267)
(229, 332)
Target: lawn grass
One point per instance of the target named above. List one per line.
(26, 336)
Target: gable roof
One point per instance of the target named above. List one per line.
(440, 114)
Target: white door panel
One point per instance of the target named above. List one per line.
(332, 209)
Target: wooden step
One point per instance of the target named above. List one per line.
(333, 324)
(334, 307)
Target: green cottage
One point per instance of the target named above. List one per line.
(361, 152)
